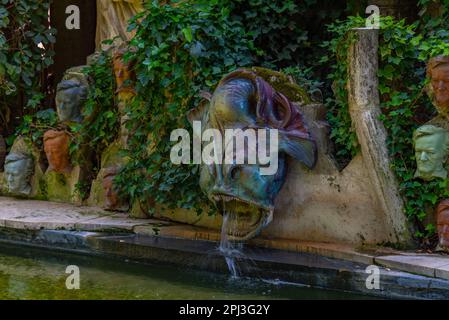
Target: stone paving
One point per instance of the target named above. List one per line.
(35, 215)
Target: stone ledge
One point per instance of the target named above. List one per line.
(427, 265)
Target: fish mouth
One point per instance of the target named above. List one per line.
(242, 219)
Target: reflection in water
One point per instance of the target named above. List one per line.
(33, 274)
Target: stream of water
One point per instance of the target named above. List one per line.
(231, 250)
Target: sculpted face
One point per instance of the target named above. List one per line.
(56, 147)
(18, 170)
(438, 72)
(241, 192)
(443, 223)
(431, 151)
(440, 86)
(70, 98)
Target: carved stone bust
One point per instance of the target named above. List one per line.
(70, 98)
(438, 89)
(431, 152)
(443, 225)
(56, 147)
(19, 168)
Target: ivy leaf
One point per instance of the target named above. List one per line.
(187, 32)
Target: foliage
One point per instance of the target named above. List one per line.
(25, 53)
(35, 125)
(281, 27)
(179, 51)
(305, 77)
(433, 15)
(403, 52)
(102, 120)
(342, 132)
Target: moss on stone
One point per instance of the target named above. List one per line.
(97, 195)
(283, 84)
(58, 188)
(43, 188)
(112, 156)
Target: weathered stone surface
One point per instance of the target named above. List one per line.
(35, 215)
(418, 264)
(64, 187)
(364, 107)
(119, 221)
(112, 20)
(442, 272)
(111, 157)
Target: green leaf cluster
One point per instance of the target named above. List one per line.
(25, 53)
(179, 50)
(101, 116)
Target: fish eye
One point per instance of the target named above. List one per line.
(235, 171)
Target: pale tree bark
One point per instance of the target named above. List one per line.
(364, 108)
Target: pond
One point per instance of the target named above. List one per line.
(28, 273)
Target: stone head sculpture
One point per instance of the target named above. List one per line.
(19, 168)
(70, 97)
(112, 199)
(443, 224)
(438, 89)
(56, 147)
(431, 152)
(241, 191)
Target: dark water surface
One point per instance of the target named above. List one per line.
(40, 274)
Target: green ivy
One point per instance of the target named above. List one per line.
(277, 27)
(34, 126)
(102, 120)
(25, 53)
(342, 131)
(179, 51)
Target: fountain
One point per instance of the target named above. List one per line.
(241, 191)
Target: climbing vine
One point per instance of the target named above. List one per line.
(179, 51)
(34, 126)
(101, 118)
